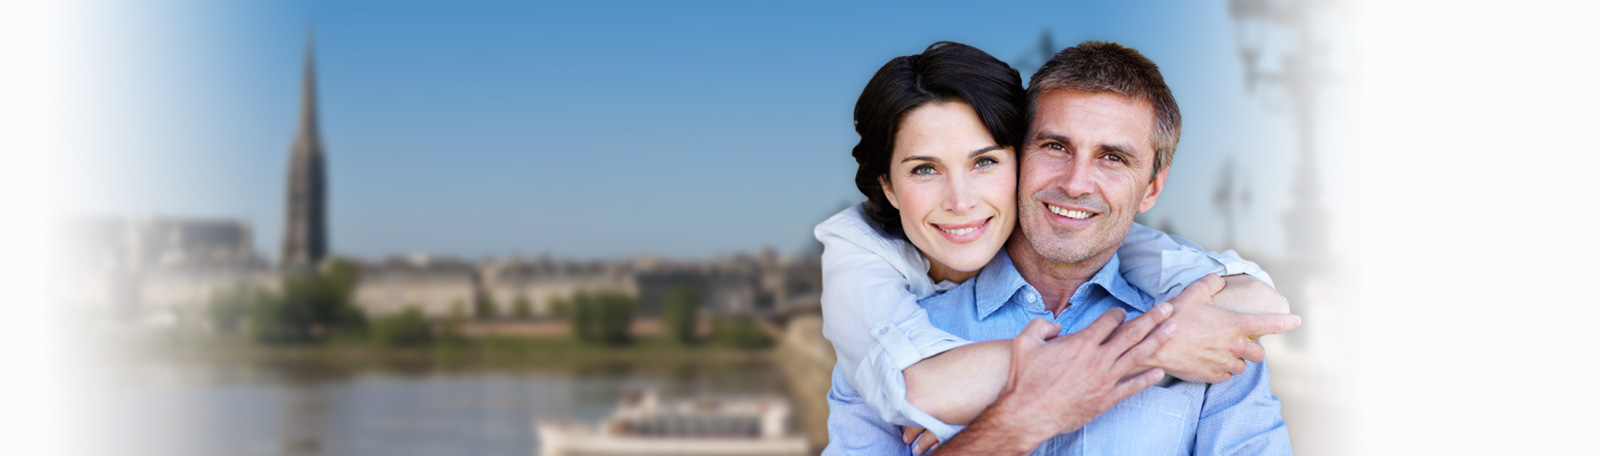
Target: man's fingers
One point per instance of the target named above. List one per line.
(1264, 324)
(1135, 330)
(1040, 329)
(1137, 355)
(1130, 385)
(1102, 327)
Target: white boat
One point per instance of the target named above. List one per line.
(643, 425)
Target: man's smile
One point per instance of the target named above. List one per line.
(1071, 216)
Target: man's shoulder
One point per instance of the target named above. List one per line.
(961, 297)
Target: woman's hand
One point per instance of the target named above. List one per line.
(926, 442)
(1215, 342)
(1246, 294)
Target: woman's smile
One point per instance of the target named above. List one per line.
(962, 233)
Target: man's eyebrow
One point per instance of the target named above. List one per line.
(1052, 137)
(1118, 148)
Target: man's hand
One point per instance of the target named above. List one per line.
(1215, 342)
(1059, 384)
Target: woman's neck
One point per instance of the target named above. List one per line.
(940, 273)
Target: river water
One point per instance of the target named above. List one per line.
(315, 407)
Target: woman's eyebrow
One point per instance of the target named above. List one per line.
(974, 153)
(985, 149)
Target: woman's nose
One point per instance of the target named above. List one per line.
(959, 198)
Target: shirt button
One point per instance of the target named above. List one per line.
(1029, 296)
(883, 329)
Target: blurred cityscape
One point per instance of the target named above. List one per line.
(318, 353)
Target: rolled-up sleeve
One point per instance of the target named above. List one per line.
(870, 314)
(853, 428)
(1163, 265)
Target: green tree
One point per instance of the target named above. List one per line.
(616, 317)
(739, 334)
(309, 307)
(407, 329)
(681, 314)
(602, 317)
(229, 310)
(486, 307)
(581, 314)
(520, 307)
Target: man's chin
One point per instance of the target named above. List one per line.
(1065, 251)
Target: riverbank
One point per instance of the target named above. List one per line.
(476, 351)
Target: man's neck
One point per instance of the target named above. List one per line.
(1055, 281)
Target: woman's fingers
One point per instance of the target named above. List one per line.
(909, 434)
(924, 443)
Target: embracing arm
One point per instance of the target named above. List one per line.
(956, 386)
(870, 286)
(1058, 384)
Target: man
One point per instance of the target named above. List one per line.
(1103, 127)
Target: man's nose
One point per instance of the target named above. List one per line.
(1078, 180)
(959, 198)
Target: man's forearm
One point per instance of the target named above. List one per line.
(996, 431)
(957, 385)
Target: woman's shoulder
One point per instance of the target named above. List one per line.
(850, 233)
(850, 224)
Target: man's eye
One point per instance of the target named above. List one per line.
(923, 170)
(1116, 158)
(1055, 146)
(986, 162)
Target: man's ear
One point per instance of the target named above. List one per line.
(888, 192)
(1153, 192)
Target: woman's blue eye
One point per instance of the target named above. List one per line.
(922, 170)
(987, 161)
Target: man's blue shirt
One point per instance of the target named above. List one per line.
(1237, 416)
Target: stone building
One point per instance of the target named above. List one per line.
(171, 267)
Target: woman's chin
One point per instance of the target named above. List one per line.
(968, 257)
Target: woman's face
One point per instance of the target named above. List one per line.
(955, 188)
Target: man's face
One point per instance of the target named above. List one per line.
(1085, 173)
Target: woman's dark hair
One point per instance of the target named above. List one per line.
(946, 71)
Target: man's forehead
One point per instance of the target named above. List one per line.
(1067, 112)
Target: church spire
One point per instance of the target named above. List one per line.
(305, 240)
(308, 97)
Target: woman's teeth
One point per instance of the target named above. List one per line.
(960, 231)
(1069, 213)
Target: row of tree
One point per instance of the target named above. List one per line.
(314, 307)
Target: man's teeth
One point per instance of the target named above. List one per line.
(961, 231)
(1069, 213)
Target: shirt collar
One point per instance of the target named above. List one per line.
(999, 281)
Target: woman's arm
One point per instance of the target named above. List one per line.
(870, 286)
(1210, 346)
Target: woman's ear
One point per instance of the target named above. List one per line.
(888, 192)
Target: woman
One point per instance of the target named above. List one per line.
(938, 165)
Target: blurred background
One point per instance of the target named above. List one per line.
(508, 228)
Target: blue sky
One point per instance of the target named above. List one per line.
(601, 129)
